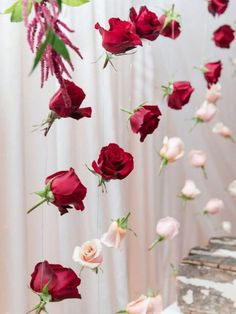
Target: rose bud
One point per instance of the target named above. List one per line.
(144, 119)
(212, 72)
(213, 93)
(232, 188)
(167, 228)
(66, 103)
(226, 226)
(172, 150)
(63, 189)
(146, 23)
(113, 164)
(89, 255)
(223, 130)
(223, 36)
(170, 24)
(53, 283)
(213, 207)
(178, 94)
(217, 7)
(119, 39)
(197, 159)
(204, 114)
(145, 305)
(116, 232)
(189, 191)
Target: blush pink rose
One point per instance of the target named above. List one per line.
(213, 93)
(221, 129)
(190, 191)
(114, 236)
(167, 228)
(206, 112)
(145, 305)
(173, 149)
(89, 254)
(197, 158)
(214, 206)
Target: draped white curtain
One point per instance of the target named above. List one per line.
(27, 158)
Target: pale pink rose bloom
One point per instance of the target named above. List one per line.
(232, 188)
(226, 226)
(221, 129)
(114, 235)
(89, 254)
(213, 93)
(214, 206)
(190, 190)
(167, 228)
(234, 61)
(173, 148)
(197, 158)
(145, 305)
(206, 112)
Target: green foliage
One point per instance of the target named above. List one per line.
(75, 3)
(16, 10)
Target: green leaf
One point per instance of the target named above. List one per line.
(59, 46)
(75, 3)
(16, 11)
(41, 49)
(59, 3)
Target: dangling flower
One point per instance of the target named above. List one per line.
(116, 232)
(172, 150)
(213, 207)
(224, 36)
(53, 283)
(63, 189)
(226, 226)
(170, 23)
(197, 159)
(223, 130)
(189, 191)
(178, 94)
(211, 72)
(167, 229)
(204, 114)
(89, 255)
(113, 164)
(213, 93)
(232, 188)
(144, 119)
(66, 105)
(217, 7)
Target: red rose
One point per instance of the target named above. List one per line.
(145, 120)
(212, 72)
(113, 163)
(223, 36)
(62, 282)
(178, 93)
(171, 30)
(63, 189)
(71, 108)
(67, 190)
(217, 6)
(146, 23)
(121, 36)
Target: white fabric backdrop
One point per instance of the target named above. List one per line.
(27, 158)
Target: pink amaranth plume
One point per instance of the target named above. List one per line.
(47, 17)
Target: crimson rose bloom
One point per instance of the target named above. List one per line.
(145, 120)
(169, 24)
(212, 72)
(146, 23)
(71, 108)
(223, 36)
(67, 190)
(121, 36)
(113, 163)
(62, 282)
(217, 6)
(180, 94)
